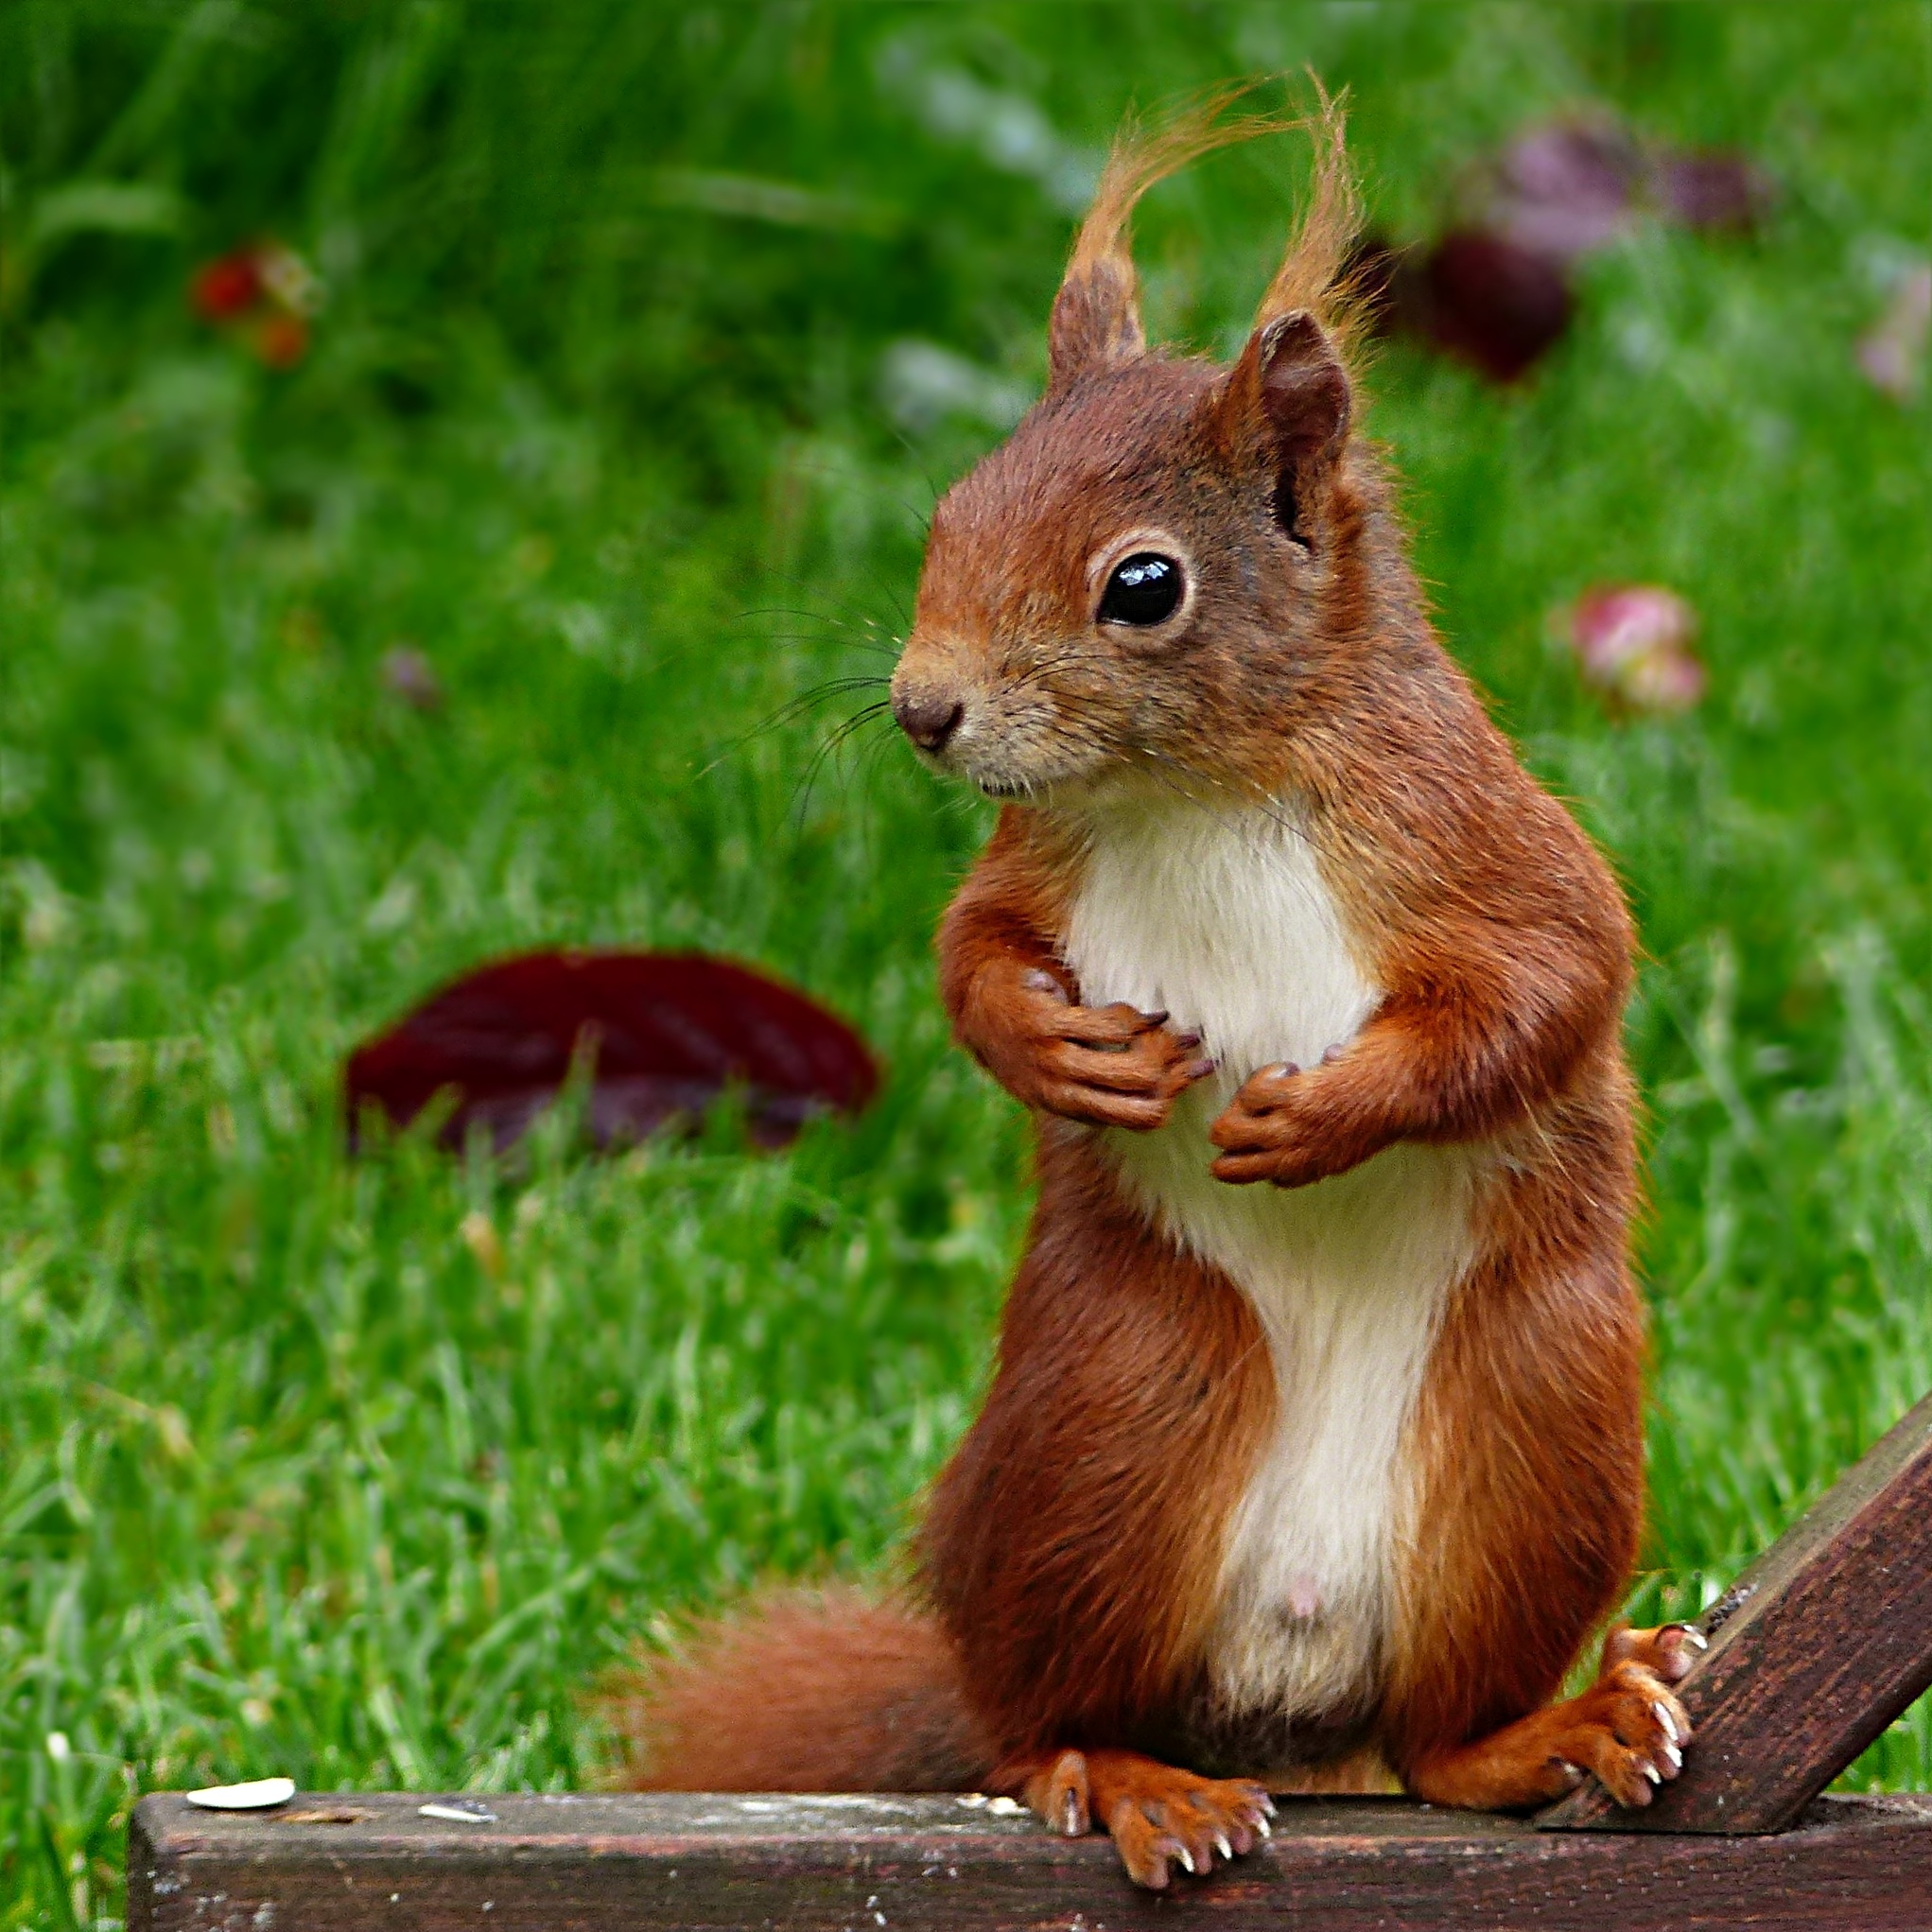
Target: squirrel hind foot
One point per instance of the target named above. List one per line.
(1156, 1814)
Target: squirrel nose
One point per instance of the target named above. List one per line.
(928, 722)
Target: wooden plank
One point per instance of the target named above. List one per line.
(715, 1864)
(1819, 1645)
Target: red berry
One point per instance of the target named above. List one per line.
(226, 287)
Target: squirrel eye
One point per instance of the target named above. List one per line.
(1145, 588)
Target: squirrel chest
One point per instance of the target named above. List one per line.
(1223, 919)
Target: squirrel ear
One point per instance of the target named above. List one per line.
(1290, 392)
(1097, 312)
(1096, 317)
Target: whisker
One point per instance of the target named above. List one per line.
(855, 722)
(786, 610)
(841, 643)
(852, 619)
(793, 709)
(838, 634)
(826, 752)
(906, 443)
(852, 611)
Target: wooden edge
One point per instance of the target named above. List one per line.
(650, 1863)
(1818, 1646)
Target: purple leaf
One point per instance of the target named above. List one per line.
(1712, 187)
(1565, 188)
(1892, 352)
(412, 678)
(665, 1034)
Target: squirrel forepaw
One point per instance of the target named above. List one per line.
(1282, 1126)
(1104, 1066)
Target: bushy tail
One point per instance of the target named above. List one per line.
(801, 1691)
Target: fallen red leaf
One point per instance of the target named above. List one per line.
(1495, 288)
(666, 1034)
(1476, 295)
(1892, 352)
(1493, 302)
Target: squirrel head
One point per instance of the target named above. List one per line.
(1133, 588)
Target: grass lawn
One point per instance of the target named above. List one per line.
(623, 411)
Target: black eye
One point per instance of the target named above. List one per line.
(1145, 589)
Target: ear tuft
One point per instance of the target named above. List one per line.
(1097, 314)
(1096, 320)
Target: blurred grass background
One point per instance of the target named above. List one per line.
(650, 333)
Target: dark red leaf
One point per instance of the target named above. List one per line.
(1381, 275)
(1476, 294)
(1495, 288)
(1493, 302)
(667, 1034)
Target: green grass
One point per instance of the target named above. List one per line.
(360, 1471)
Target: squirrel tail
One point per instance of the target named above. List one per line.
(801, 1691)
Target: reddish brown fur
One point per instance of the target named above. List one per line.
(1131, 1399)
(1529, 1521)
(1072, 1545)
(804, 1692)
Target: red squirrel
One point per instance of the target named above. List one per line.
(1313, 1450)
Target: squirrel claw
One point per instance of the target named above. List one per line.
(1629, 1727)
(1059, 1795)
(1291, 1128)
(1158, 1815)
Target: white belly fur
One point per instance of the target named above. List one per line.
(1226, 922)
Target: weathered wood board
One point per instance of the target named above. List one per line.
(1819, 1645)
(597, 1863)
